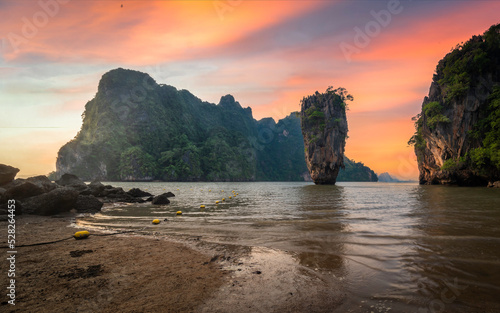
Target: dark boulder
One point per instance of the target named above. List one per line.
(136, 192)
(43, 182)
(88, 204)
(70, 180)
(169, 194)
(7, 174)
(117, 194)
(96, 188)
(2, 192)
(54, 202)
(4, 209)
(22, 189)
(113, 192)
(86, 192)
(161, 199)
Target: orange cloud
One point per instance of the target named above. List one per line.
(140, 32)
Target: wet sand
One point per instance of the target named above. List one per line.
(145, 273)
(120, 273)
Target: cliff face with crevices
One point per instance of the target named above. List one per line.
(324, 127)
(457, 137)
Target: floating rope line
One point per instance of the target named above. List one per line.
(60, 240)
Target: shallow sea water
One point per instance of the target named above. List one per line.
(391, 247)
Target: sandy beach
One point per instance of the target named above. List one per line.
(119, 273)
(144, 273)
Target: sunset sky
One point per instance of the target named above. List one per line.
(268, 54)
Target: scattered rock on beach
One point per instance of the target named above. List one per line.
(56, 201)
(7, 174)
(42, 197)
(88, 204)
(169, 194)
(4, 207)
(22, 189)
(70, 180)
(96, 188)
(2, 192)
(136, 192)
(43, 182)
(161, 199)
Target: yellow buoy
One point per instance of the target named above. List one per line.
(209, 190)
(81, 234)
(223, 199)
(156, 221)
(237, 193)
(230, 197)
(217, 202)
(179, 212)
(202, 206)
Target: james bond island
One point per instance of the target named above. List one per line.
(324, 127)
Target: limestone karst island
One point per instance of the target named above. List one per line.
(250, 156)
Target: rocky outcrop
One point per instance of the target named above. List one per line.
(38, 195)
(136, 192)
(454, 140)
(43, 182)
(22, 190)
(7, 174)
(70, 180)
(54, 202)
(324, 127)
(163, 198)
(88, 204)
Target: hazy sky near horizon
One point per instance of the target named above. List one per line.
(268, 54)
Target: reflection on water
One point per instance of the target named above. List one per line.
(399, 247)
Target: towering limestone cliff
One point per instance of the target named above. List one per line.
(135, 129)
(324, 127)
(457, 138)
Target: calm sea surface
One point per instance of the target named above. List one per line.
(395, 247)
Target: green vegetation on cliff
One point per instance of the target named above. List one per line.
(488, 155)
(136, 129)
(356, 171)
(462, 113)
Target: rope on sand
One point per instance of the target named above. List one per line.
(60, 240)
